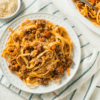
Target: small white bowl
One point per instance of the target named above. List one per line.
(18, 7)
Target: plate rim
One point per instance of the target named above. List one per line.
(84, 20)
(44, 18)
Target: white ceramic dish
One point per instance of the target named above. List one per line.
(19, 4)
(88, 23)
(12, 78)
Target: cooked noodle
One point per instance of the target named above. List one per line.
(39, 52)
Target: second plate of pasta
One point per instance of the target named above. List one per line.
(86, 14)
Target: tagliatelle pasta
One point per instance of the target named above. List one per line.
(39, 52)
(89, 12)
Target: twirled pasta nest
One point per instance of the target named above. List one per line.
(39, 52)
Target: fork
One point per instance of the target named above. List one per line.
(89, 5)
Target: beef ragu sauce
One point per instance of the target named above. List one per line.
(46, 50)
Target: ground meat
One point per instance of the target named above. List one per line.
(13, 68)
(23, 70)
(14, 59)
(59, 52)
(41, 23)
(32, 28)
(42, 39)
(39, 80)
(11, 49)
(69, 62)
(16, 38)
(63, 60)
(41, 29)
(50, 68)
(17, 68)
(28, 50)
(58, 48)
(48, 55)
(46, 34)
(29, 37)
(60, 55)
(55, 75)
(29, 70)
(26, 37)
(29, 30)
(26, 46)
(38, 61)
(46, 28)
(33, 31)
(29, 58)
(60, 71)
(22, 77)
(38, 46)
(24, 31)
(14, 62)
(34, 21)
(43, 81)
(38, 34)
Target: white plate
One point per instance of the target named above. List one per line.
(87, 22)
(14, 79)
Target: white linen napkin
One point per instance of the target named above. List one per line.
(89, 63)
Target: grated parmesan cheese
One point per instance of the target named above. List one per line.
(7, 7)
